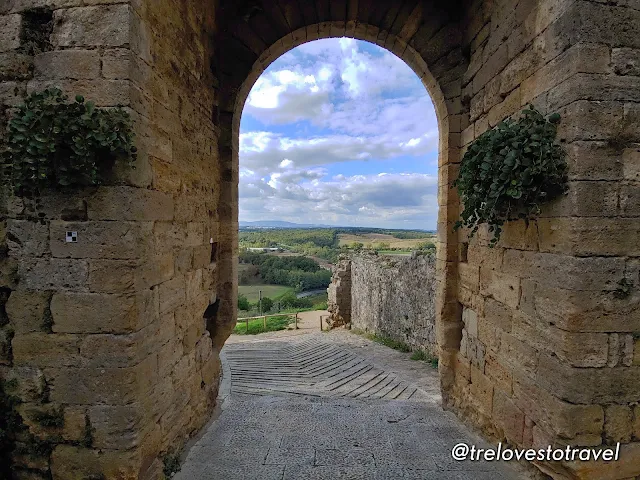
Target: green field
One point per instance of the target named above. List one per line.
(257, 326)
(271, 291)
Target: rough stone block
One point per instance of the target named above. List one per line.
(112, 276)
(482, 390)
(588, 385)
(606, 237)
(116, 63)
(595, 161)
(26, 310)
(518, 354)
(631, 163)
(172, 294)
(498, 373)
(77, 463)
(626, 61)
(470, 320)
(30, 382)
(15, 66)
(10, 26)
(25, 237)
(565, 271)
(103, 92)
(116, 427)
(503, 287)
(618, 424)
(75, 64)
(580, 58)
(47, 350)
(104, 25)
(508, 417)
(130, 203)
(74, 423)
(565, 419)
(588, 86)
(628, 465)
(115, 240)
(92, 386)
(53, 274)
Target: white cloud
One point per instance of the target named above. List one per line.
(344, 200)
(325, 103)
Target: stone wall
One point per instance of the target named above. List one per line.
(549, 348)
(108, 332)
(339, 294)
(392, 297)
(537, 337)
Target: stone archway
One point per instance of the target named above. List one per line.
(395, 30)
(538, 336)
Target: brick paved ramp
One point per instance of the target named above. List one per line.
(309, 408)
(312, 367)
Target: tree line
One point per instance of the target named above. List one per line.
(299, 272)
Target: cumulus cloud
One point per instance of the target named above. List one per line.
(326, 103)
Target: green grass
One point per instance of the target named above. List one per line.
(423, 356)
(384, 340)
(252, 292)
(420, 355)
(257, 326)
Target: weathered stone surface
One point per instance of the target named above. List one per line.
(75, 424)
(128, 203)
(115, 240)
(626, 61)
(508, 416)
(618, 426)
(26, 310)
(588, 385)
(26, 237)
(29, 382)
(10, 32)
(53, 274)
(92, 26)
(116, 63)
(14, 65)
(47, 350)
(565, 419)
(116, 427)
(392, 297)
(75, 64)
(96, 313)
(77, 463)
(564, 300)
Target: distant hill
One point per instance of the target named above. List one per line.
(281, 224)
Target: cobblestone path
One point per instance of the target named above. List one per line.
(331, 406)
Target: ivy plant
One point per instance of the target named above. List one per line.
(509, 171)
(56, 144)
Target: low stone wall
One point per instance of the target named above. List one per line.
(388, 296)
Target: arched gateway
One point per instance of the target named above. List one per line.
(538, 337)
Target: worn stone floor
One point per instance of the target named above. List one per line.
(330, 406)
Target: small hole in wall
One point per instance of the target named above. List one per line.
(37, 25)
(214, 251)
(464, 251)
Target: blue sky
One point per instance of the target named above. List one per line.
(339, 132)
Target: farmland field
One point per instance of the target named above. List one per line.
(371, 239)
(271, 291)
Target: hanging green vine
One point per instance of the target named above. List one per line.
(509, 171)
(54, 144)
